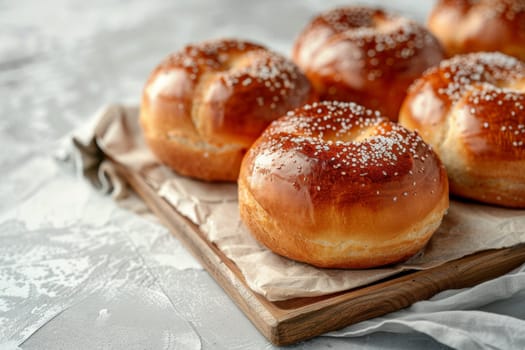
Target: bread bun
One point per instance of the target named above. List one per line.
(465, 26)
(335, 185)
(471, 109)
(365, 55)
(203, 106)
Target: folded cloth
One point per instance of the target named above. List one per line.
(81, 152)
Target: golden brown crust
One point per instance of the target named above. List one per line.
(335, 185)
(365, 55)
(213, 99)
(200, 161)
(471, 109)
(465, 26)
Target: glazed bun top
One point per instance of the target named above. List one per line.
(224, 91)
(341, 155)
(365, 55)
(465, 26)
(488, 90)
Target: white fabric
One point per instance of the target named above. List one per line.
(461, 319)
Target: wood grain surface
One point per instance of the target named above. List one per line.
(290, 321)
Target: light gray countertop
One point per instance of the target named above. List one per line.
(76, 270)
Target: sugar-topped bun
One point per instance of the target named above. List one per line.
(365, 55)
(333, 184)
(203, 106)
(465, 26)
(471, 109)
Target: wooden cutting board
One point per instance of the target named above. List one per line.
(290, 321)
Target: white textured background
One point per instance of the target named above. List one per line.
(76, 271)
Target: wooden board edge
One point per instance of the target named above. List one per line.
(401, 292)
(333, 312)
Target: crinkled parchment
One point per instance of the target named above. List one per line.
(467, 228)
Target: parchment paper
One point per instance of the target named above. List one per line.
(467, 228)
